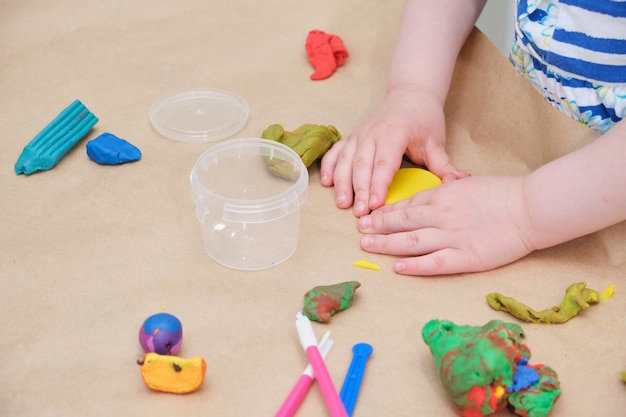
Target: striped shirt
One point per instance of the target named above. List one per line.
(574, 53)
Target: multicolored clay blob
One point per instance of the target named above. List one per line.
(161, 333)
(321, 302)
(486, 368)
(577, 297)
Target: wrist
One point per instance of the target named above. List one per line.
(410, 91)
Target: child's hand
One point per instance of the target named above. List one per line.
(362, 165)
(475, 224)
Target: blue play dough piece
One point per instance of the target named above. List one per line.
(108, 149)
(524, 376)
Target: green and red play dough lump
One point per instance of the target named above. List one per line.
(485, 368)
(324, 301)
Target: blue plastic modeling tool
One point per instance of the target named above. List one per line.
(352, 383)
(55, 140)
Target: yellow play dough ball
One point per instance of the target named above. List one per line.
(409, 181)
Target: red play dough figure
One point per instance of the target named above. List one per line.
(326, 52)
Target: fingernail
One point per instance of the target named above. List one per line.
(360, 207)
(366, 242)
(341, 198)
(373, 200)
(365, 222)
(399, 266)
(323, 178)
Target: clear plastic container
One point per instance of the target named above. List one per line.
(250, 214)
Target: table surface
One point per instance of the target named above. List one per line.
(87, 252)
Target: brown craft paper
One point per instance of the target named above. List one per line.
(87, 252)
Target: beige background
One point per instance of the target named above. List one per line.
(87, 252)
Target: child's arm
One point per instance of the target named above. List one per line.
(410, 120)
(430, 37)
(579, 193)
(481, 223)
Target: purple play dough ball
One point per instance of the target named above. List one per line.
(161, 333)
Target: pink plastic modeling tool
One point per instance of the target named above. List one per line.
(295, 397)
(309, 344)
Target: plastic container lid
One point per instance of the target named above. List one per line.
(199, 116)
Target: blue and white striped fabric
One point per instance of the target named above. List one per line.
(574, 53)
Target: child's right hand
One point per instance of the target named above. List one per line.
(361, 166)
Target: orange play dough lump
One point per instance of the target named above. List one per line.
(172, 374)
(409, 181)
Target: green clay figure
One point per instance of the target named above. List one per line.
(310, 141)
(325, 300)
(577, 297)
(485, 369)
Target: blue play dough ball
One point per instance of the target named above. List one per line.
(161, 333)
(108, 149)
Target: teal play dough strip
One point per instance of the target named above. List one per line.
(56, 139)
